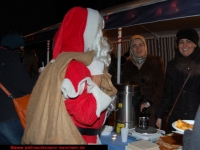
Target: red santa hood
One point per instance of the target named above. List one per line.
(77, 31)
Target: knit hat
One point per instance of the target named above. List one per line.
(77, 31)
(189, 34)
(12, 41)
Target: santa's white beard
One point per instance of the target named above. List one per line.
(106, 59)
(102, 49)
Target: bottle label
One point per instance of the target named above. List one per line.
(119, 105)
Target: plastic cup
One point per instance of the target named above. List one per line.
(124, 134)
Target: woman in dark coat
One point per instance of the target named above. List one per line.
(147, 71)
(186, 58)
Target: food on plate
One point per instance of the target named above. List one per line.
(170, 142)
(183, 125)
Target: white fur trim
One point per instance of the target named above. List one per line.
(91, 28)
(52, 61)
(102, 99)
(98, 140)
(68, 89)
(96, 67)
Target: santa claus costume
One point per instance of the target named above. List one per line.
(66, 106)
(86, 103)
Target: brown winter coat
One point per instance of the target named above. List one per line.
(150, 78)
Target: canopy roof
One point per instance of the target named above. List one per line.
(140, 17)
(157, 18)
(160, 11)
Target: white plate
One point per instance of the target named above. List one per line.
(178, 132)
(181, 131)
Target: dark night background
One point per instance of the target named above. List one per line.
(34, 15)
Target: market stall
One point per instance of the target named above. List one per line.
(156, 20)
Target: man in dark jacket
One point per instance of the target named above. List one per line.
(147, 71)
(187, 57)
(14, 76)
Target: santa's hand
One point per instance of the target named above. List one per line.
(143, 105)
(112, 105)
(96, 67)
(40, 69)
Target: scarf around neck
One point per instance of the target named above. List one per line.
(186, 62)
(137, 61)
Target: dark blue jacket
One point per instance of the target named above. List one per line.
(14, 76)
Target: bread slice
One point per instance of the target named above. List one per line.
(170, 141)
(183, 125)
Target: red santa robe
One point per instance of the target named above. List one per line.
(88, 108)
